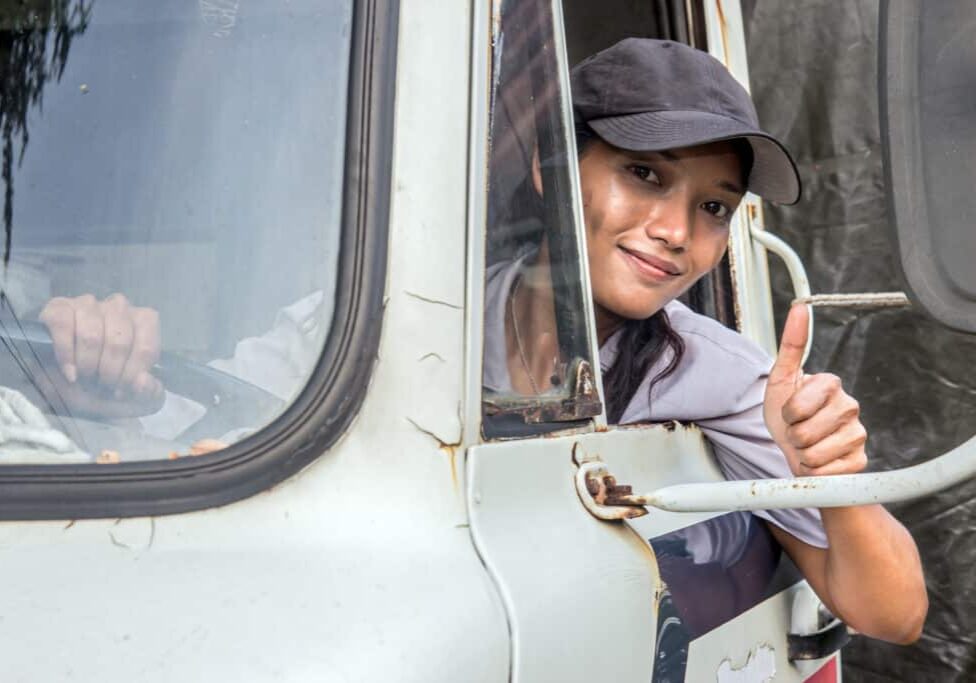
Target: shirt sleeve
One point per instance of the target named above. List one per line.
(279, 361)
(745, 450)
(719, 385)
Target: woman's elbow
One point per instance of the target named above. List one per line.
(902, 626)
(916, 622)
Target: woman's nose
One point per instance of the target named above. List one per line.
(671, 224)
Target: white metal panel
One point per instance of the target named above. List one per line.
(361, 568)
(581, 594)
(729, 647)
(658, 456)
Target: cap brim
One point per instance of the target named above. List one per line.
(773, 176)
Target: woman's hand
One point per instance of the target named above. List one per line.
(810, 417)
(870, 575)
(105, 351)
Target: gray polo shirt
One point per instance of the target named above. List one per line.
(718, 385)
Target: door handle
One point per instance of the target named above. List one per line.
(801, 284)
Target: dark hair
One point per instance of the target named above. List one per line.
(642, 343)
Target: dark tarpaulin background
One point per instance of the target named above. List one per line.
(813, 70)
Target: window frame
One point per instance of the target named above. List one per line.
(583, 409)
(330, 400)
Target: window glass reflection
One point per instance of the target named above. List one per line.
(536, 346)
(173, 222)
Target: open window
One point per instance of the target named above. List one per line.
(594, 26)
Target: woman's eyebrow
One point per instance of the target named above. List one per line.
(652, 155)
(730, 186)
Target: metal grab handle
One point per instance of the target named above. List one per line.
(798, 274)
(840, 490)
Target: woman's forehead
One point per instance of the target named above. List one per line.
(709, 149)
(717, 158)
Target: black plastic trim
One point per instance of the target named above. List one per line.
(330, 401)
(823, 643)
(927, 153)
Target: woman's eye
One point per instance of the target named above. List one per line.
(717, 209)
(644, 173)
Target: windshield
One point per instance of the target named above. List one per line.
(172, 185)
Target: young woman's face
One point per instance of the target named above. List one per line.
(655, 221)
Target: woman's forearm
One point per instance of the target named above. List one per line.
(873, 574)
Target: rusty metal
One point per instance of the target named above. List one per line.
(602, 496)
(582, 402)
(870, 300)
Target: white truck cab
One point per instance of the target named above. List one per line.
(310, 194)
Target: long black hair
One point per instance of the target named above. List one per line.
(641, 343)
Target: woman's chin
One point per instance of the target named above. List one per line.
(631, 312)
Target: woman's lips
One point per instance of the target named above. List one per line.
(650, 267)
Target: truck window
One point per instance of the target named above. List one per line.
(183, 221)
(173, 180)
(538, 372)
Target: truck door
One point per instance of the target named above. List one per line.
(586, 599)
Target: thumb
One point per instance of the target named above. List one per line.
(789, 361)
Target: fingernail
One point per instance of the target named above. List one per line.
(71, 373)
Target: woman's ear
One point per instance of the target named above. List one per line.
(536, 170)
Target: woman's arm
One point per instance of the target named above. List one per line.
(870, 575)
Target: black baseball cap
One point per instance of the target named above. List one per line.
(651, 95)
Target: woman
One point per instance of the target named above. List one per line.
(668, 144)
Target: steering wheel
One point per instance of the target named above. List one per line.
(231, 403)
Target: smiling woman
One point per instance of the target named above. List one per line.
(668, 144)
(656, 222)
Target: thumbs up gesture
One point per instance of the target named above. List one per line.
(810, 417)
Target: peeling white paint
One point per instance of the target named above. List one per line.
(760, 667)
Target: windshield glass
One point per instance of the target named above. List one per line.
(172, 180)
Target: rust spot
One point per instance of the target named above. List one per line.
(451, 451)
(736, 308)
(449, 448)
(753, 212)
(584, 402)
(670, 425)
(602, 428)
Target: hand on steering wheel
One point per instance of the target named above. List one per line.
(105, 352)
